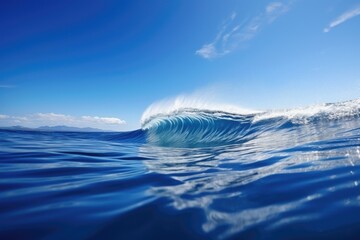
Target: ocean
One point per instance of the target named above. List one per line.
(188, 173)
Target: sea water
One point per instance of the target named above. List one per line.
(188, 173)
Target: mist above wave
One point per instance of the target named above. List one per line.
(325, 111)
(188, 122)
(182, 104)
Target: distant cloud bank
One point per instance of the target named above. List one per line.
(343, 18)
(52, 119)
(106, 120)
(234, 32)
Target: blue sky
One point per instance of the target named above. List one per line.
(102, 63)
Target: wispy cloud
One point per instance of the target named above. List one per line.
(273, 7)
(6, 86)
(235, 32)
(343, 18)
(53, 119)
(208, 51)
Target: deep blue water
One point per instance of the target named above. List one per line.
(197, 176)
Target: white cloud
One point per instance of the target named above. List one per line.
(53, 119)
(207, 51)
(106, 120)
(233, 33)
(19, 119)
(273, 7)
(343, 18)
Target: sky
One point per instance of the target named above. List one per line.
(102, 63)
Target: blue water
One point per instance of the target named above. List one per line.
(188, 175)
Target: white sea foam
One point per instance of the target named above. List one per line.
(192, 105)
(189, 122)
(181, 103)
(330, 111)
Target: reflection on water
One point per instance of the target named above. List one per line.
(288, 182)
(265, 181)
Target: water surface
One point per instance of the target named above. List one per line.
(191, 175)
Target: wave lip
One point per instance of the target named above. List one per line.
(181, 104)
(193, 122)
(182, 125)
(190, 128)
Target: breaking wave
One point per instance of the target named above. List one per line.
(187, 123)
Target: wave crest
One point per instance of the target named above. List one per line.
(181, 124)
(181, 104)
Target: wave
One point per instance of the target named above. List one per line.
(182, 104)
(185, 123)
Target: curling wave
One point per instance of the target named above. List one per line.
(188, 125)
